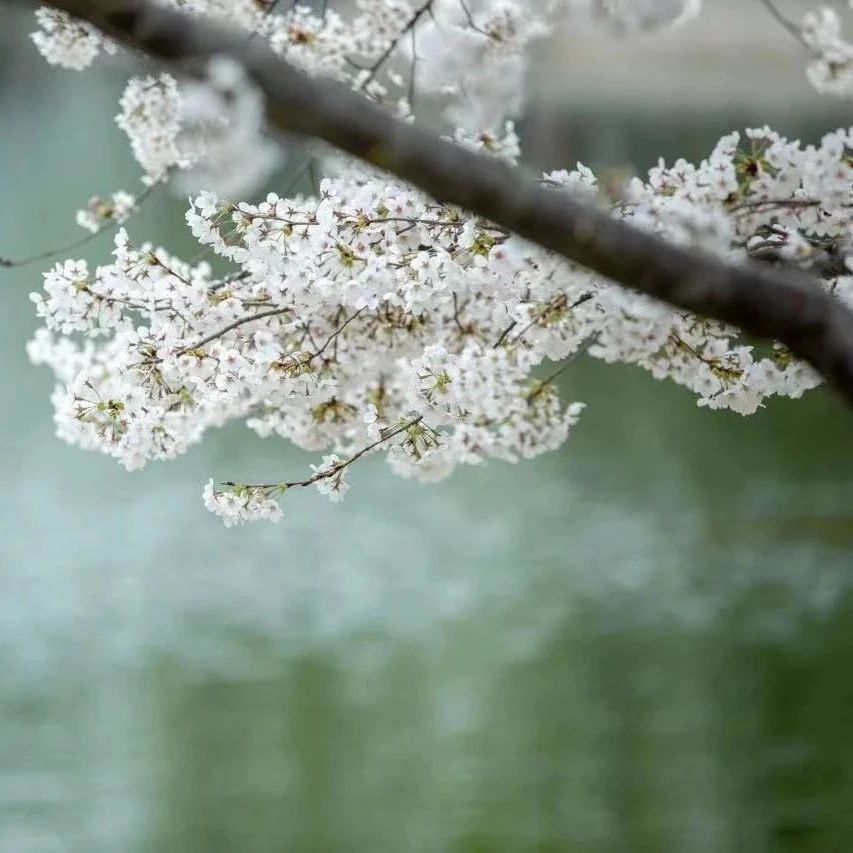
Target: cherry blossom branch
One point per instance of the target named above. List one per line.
(334, 470)
(778, 304)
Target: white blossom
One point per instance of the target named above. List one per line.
(67, 42)
(150, 116)
(239, 504)
(831, 72)
(100, 212)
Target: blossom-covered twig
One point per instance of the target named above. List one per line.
(240, 321)
(109, 226)
(559, 302)
(236, 503)
(338, 467)
(383, 57)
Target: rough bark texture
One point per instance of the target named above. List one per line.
(767, 302)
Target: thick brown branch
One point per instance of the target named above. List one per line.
(769, 303)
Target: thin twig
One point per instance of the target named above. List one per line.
(542, 384)
(373, 69)
(106, 228)
(787, 23)
(549, 306)
(273, 312)
(335, 469)
(335, 334)
(471, 22)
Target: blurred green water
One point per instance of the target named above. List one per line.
(639, 643)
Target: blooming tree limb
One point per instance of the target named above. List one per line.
(769, 302)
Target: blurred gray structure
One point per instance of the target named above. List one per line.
(733, 53)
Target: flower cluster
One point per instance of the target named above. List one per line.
(831, 71)
(67, 42)
(236, 504)
(150, 116)
(369, 318)
(99, 212)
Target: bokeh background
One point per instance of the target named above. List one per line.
(641, 642)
